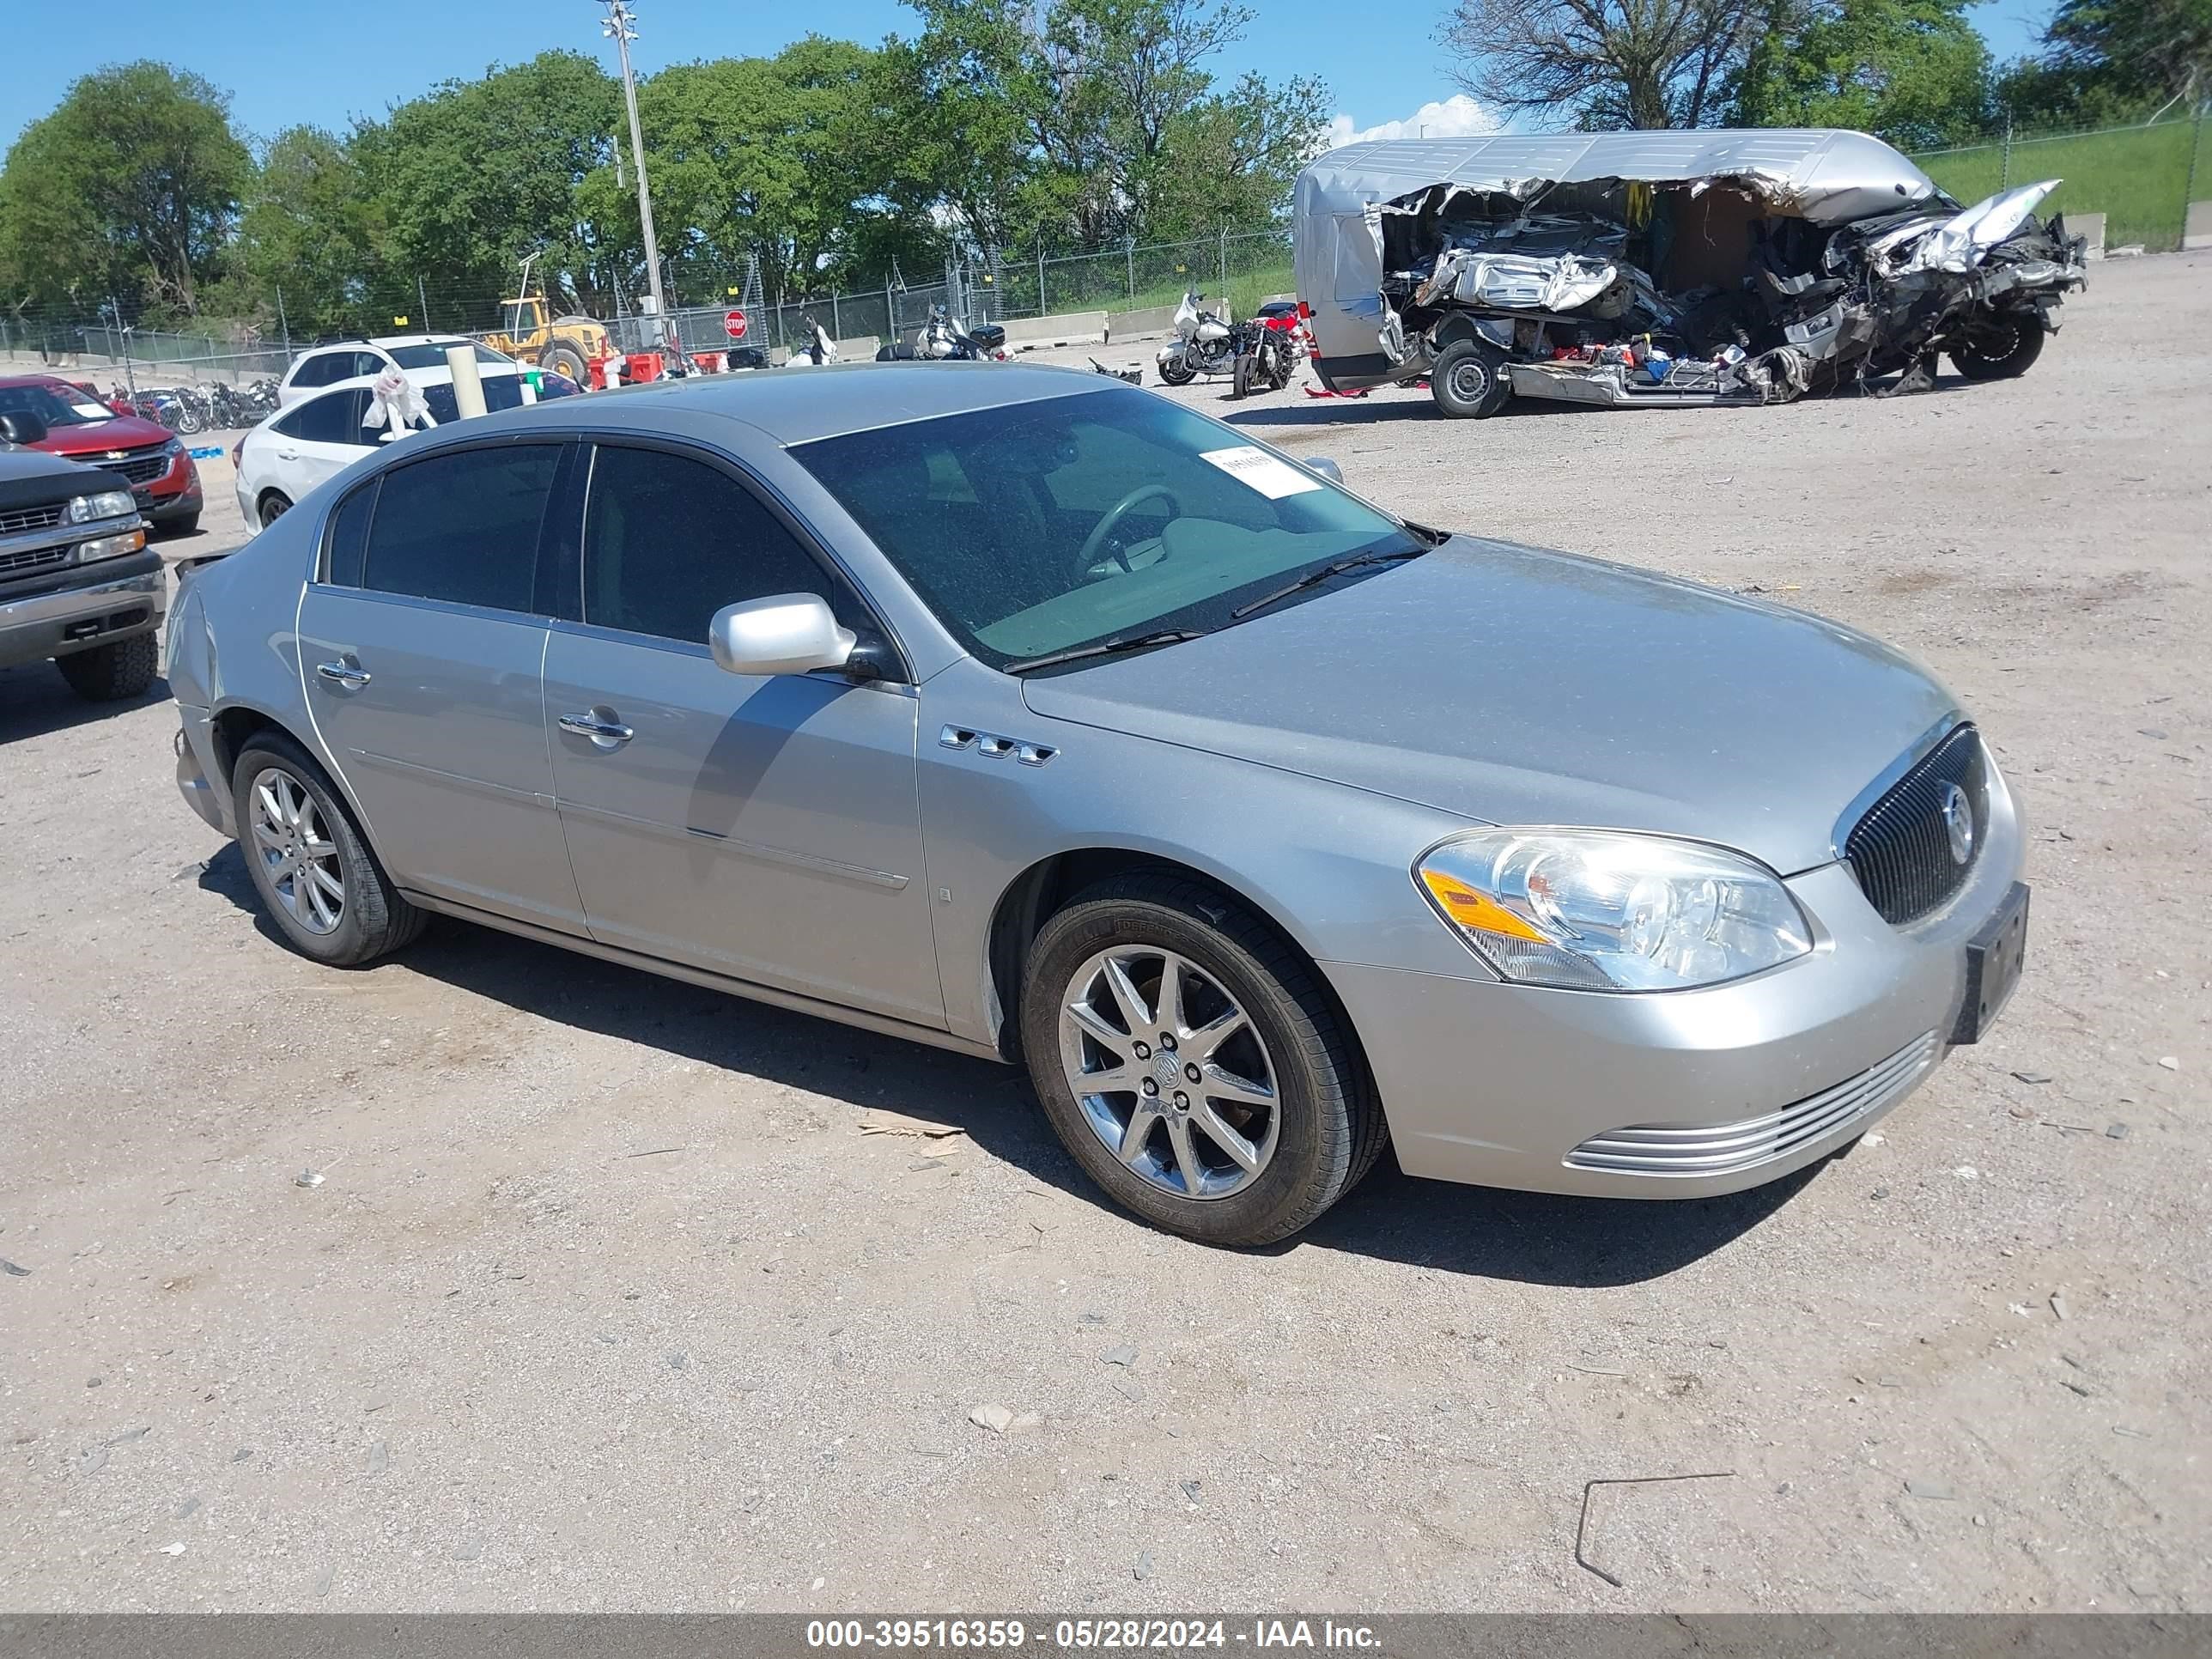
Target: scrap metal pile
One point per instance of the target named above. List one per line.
(1678, 268)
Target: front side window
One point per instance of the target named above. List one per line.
(668, 541)
(1039, 527)
(333, 418)
(463, 527)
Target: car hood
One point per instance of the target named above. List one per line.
(1512, 685)
(98, 437)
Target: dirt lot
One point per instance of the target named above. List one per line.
(605, 1302)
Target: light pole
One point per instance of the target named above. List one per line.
(621, 26)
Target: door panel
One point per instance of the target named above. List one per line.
(763, 828)
(443, 746)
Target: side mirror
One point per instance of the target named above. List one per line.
(784, 634)
(1326, 468)
(20, 426)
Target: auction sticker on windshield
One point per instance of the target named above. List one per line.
(1260, 471)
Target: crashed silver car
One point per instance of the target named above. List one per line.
(1661, 269)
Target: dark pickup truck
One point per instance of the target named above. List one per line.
(78, 582)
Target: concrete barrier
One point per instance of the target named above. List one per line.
(2092, 226)
(2196, 227)
(1068, 328)
(1155, 320)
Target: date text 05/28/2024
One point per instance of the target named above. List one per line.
(1088, 1635)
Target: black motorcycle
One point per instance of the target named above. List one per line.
(1261, 360)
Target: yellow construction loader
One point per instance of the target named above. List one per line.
(566, 345)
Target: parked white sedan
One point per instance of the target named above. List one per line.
(294, 450)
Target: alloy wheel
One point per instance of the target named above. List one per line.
(1170, 1072)
(297, 854)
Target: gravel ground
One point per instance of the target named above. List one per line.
(604, 1301)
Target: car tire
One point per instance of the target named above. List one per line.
(2002, 348)
(562, 360)
(273, 505)
(111, 672)
(1177, 370)
(1320, 1131)
(365, 917)
(1468, 380)
(186, 525)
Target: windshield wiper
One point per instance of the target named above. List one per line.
(1108, 648)
(1314, 578)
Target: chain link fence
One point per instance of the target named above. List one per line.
(2141, 177)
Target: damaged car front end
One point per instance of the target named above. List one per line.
(1666, 268)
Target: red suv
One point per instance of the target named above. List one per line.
(163, 480)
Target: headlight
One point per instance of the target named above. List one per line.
(174, 446)
(1597, 910)
(108, 504)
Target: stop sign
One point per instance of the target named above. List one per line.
(733, 323)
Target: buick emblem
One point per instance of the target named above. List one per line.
(1957, 814)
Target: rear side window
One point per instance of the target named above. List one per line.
(668, 541)
(349, 542)
(463, 527)
(323, 368)
(333, 418)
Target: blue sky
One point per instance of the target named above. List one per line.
(288, 61)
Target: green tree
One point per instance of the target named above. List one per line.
(131, 185)
(475, 175)
(312, 229)
(2112, 60)
(1914, 72)
(1601, 64)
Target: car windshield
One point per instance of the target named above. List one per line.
(1037, 528)
(53, 405)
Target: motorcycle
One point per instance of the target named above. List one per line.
(942, 340)
(1262, 360)
(819, 347)
(1203, 344)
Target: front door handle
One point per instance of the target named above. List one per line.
(596, 725)
(351, 675)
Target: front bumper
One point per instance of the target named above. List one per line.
(1680, 1094)
(127, 600)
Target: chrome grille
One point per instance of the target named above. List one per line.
(34, 559)
(1900, 851)
(140, 467)
(1709, 1148)
(15, 520)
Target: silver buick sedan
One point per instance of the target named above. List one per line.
(1035, 716)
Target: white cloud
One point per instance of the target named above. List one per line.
(1458, 116)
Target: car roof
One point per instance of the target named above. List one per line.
(386, 342)
(798, 405)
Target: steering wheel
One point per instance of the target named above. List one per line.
(1115, 514)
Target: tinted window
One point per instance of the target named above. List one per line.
(463, 527)
(333, 418)
(500, 391)
(323, 368)
(366, 362)
(348, 542)
(1036, 528)
(669, 541)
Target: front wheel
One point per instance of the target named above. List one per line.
(1468, 380)
(313, 872)
(2000, 347)
(563, 361)
(111, 672)
(1177, 371)
(1240, 378)
(1189, 1060)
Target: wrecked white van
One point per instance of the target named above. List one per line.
(1665, 268)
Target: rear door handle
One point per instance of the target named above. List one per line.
(351, 675)
(589, 724)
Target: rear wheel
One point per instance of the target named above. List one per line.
(1468, 380)
(111, 672)
(313, 872)
(563, 360)
(2000, 347)
(275, 504)
(1190, 1062)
